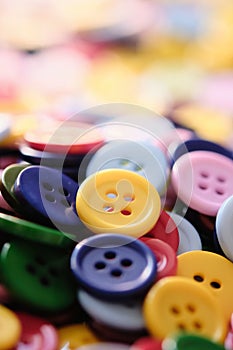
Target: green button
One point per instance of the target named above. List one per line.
(190, 342)
(34, 232)
(38, 276)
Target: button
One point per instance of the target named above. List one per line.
(33, 232)
(5, 126)
(9, 176)
(203, 180)
(165, 257)
(142, 158)
(36, 334)
(10, 328)
(75, 335)
(165, 229)
(125, 316)
(113, 266)
(118, 201)
(147, 343)
(49, 196)
(105, 346)
(67, 137)
(177, 304)
(224, 223)
(189, 237)
(35, 273)
(191, 342)
(211, 270)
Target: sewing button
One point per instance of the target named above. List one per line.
(203, 180)
(5, 126)
(10, 330)
(118, 201)
(142, 158)
(66, 137)
(189, 238)
(191, 342)
(20, 228)
(224, 222)
(176, 304)
(75, 336)
(165, 257)
(165, 229)
(113, 266)
(147, 343)
(125, 316)
(211, 270)
(36, 334)
(34, 274)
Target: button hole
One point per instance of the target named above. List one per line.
(50, 198)
(108, 208)
(116, 273)
(65, 203)
(204, 174)
(175, 310)
(129, 197)
(64, 192)
(197, 325)
(126, 262)
(219, 192)
(126, 212)
(215, 285)
(44, 281)
(221, 179)
(111, 194)
(191, 308)
(138, 168)
(181, 327)
(124, 162)
(47, 186)
(31, 269)
(198, 278)
(203, 186)
(100, 265)
(110, 255)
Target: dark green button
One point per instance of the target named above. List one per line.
(38, 276)
(190, 342)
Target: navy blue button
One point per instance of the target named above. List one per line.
(114, 266)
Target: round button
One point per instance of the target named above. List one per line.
(36, 334)
(165, 229)
(74, 336)
(67, 137)
(118, 201)
(113, 266)
(20, 228)
(34, 274)
(125, 316)
(10, 330)
(176, 304)
(212, 271)
(191, 342)
(165, 257)
(147, 343)
(142, 158)
(203, 180)
(189, 238)
(224, 222)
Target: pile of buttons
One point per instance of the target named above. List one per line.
(115, 242)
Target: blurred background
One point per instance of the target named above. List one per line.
(58, 58)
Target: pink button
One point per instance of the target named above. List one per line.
(203, 180)
(147, 343)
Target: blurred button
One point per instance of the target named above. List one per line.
(10, 330)
(191, 342)
(224, 223)
(75, 336)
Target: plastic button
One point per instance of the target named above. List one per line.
(212, 271)
(36, 334)
(189, 238)
(165, 229)
(176, 304)
(190, 342)
(125, 316)
(34, 274)
(5, 126)
(144, 159)
(10, 330)
(147, 343)
(75, 336)
(203, 180)
(118, 201)
(113, 266)
(224, 223)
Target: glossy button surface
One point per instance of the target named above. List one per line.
(10, 330)
(224, 223)
(203, 180)
(212, 271)
(190, 342)
(35, 274)
(75, 336)
(118, 201)
(113, 266)
(142, 158)
(175, 304)
(124, 315)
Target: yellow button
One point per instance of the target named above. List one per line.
(118, 201)
(176, 304)
(75, 335)
(10, 329)
(212, 271)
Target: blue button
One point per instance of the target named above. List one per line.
(114, 266)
